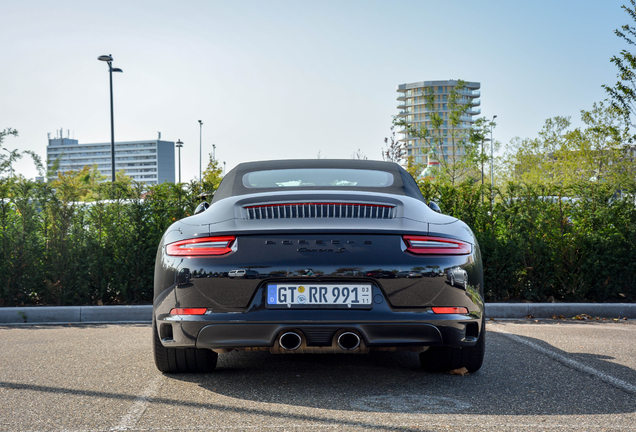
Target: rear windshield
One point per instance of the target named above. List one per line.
(317, 177)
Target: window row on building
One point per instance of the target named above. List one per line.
(150, 161)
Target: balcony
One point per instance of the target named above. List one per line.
(470, 93)
(474, 111)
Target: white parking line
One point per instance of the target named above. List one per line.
(630, 388)
(134, 413)
(466, 425)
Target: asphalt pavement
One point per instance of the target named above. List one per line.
(538, 375)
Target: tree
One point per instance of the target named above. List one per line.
(623, 94)
(359, 155)
(461, 162)
(82, 185)
(7, 160)
(564, 156)
(212, 175)
(478, 136)
(7, 132)
(538, 160)
(445, 135)
(395, 150)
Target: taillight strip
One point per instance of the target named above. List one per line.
(427, 245)
(201, 246)
(188, 311)
(450, 310)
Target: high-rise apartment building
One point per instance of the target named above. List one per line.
(413, 108)
(149, 162)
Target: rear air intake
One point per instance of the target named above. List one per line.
(319, 210)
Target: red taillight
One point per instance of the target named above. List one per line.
(450, 310)
(201, 246)
(426, 245)
(188, 311)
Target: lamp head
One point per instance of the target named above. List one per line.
(200, 122)
(179, 143)
(117, 70)
(106, 58)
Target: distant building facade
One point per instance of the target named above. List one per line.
(149, 162)
(412, 105)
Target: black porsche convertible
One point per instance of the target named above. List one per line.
(317, 256)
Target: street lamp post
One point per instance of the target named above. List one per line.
(492, 158)
(200, 130)
(482, 167)
(179, 145)
(213, 151)
(109, 59)
(482, 162)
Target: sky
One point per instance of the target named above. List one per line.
(290, 79)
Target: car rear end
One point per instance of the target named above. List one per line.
(309, 257)
(318, 270)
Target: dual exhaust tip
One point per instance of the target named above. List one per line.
(291, 341)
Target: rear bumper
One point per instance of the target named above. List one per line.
(378, 327)
(454, 330)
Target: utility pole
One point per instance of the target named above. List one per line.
(200, 131)
(179, 145)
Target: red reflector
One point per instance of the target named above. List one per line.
(201, 246)
(188, 311)
(450, 310)
(425, 245)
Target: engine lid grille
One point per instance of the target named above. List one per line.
(319, 210)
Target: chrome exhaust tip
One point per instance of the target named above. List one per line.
(290, 341)
(348, 341)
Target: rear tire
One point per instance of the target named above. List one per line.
(443, 359)
(182, 360)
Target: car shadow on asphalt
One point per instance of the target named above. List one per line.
(515, 380)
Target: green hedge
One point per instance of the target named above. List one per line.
(56, 249)
(537, 243)
(543, 243)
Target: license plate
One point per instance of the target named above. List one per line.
(308, 295)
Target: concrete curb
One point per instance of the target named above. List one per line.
(568, 310)
(75, 314)
(143, 313)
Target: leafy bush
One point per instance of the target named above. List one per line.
(544, 243)
(57, 248)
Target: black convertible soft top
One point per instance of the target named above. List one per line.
(403, 183)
